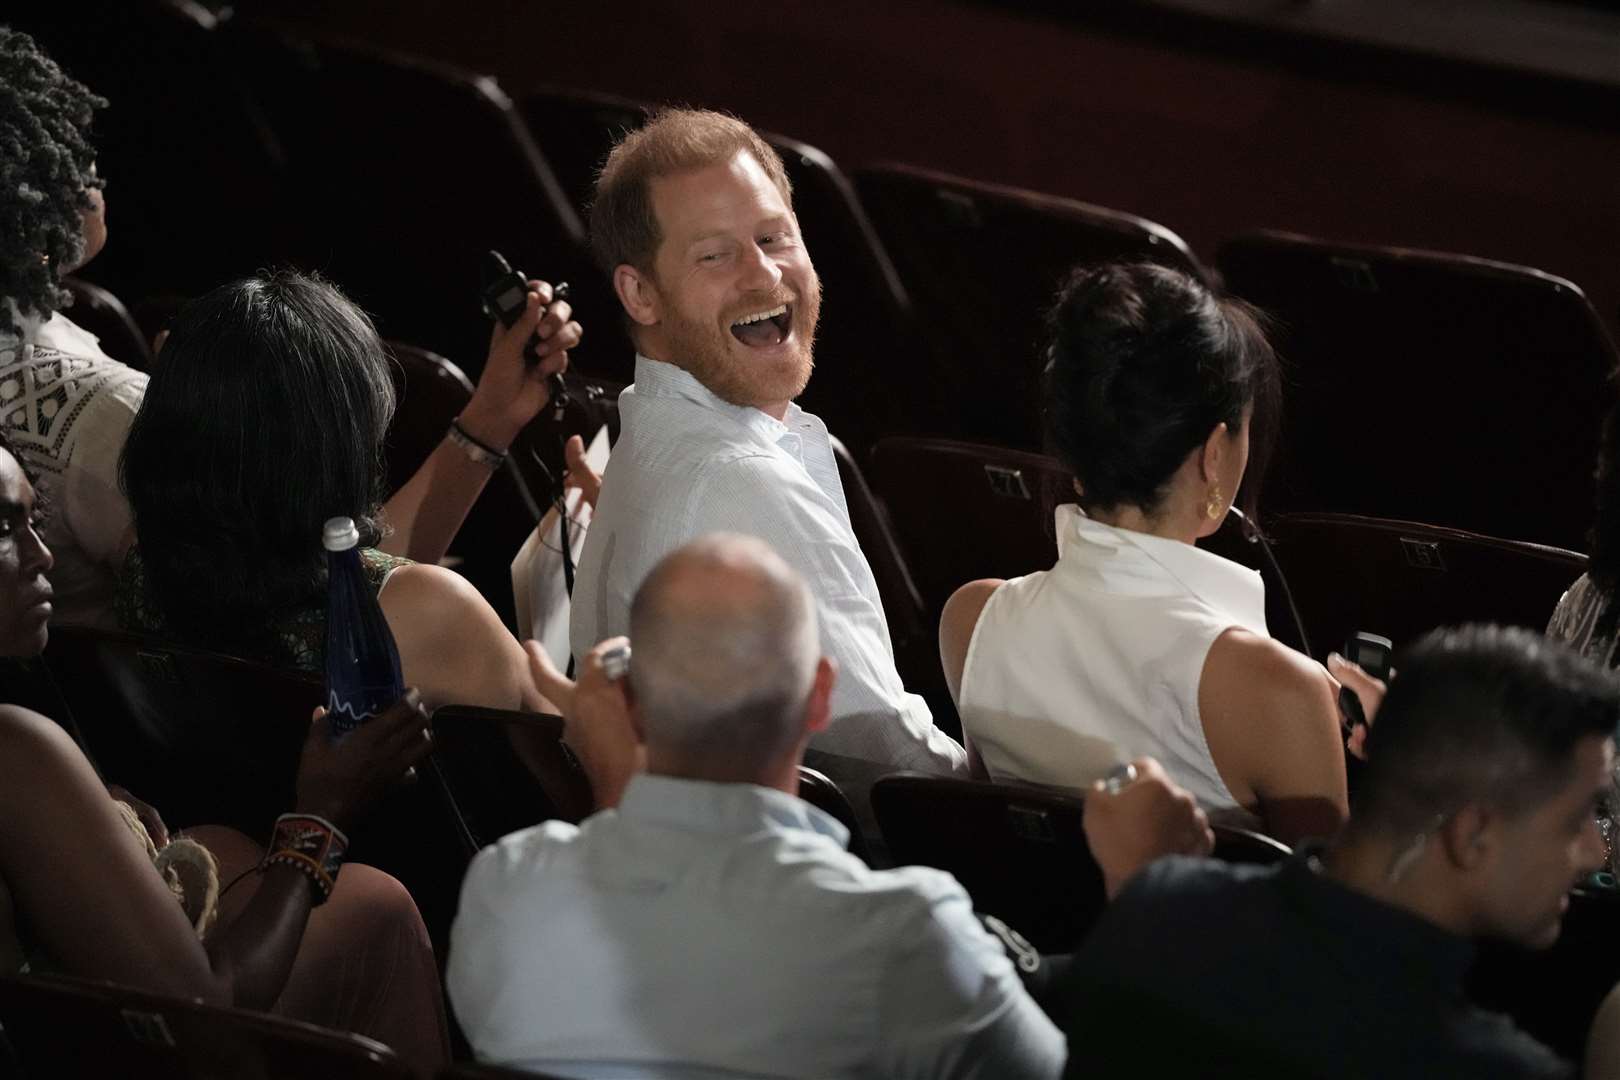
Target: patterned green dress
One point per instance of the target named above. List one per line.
(300, 636)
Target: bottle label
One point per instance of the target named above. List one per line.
(347, 714)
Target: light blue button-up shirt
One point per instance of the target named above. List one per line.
(706, 929)
(688, 463)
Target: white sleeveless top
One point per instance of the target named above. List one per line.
(1097, 661)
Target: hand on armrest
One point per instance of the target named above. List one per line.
(597, 724)
(1148, 818)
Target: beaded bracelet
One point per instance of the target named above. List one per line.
(481, 453)
(311, 844)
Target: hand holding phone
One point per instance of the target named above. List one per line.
(1371, 653)
(504, 295)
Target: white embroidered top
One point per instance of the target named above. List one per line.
(67, 407)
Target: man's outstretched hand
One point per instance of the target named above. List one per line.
(1149, 817)
(596, 719)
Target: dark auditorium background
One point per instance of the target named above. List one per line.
(1475, 126)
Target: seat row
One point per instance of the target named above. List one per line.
(1421, 386)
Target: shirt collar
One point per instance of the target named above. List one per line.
(723, 809)
(657, 379)
(1419, 950)
(1138, 561)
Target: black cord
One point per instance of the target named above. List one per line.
(1252, 533)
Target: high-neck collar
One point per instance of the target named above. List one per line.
(1141, 563)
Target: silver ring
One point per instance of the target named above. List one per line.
(1118, 777)
(616, 662)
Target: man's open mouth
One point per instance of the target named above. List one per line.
(763, 329)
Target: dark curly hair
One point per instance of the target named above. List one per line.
(265, 418)
(45, 175)
(1142, 362)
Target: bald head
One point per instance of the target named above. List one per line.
(726, 653)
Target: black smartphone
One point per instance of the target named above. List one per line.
(1372, 654)
(505, 291)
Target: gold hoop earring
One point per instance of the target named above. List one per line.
(1216, 504)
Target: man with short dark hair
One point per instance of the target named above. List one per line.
(1475, 816)
(693, 219)
(709, 922)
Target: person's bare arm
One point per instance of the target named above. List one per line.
(956, 626)
(1271, 716)
(89, 896)
(426, 512)
(452, 645)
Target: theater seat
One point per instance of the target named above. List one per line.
(1020, 852)
(63, 1027)
(412, 169)
(912, 627)
(1238, 845)
(1400, 579)
(1430, 387)
(213, 739)
(981, 263)
(207, 738)
(97, 310)
(506, 771)
(817, 789)
(967, 510)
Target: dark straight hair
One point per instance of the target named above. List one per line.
(265, 416)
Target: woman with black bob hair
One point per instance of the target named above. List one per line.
(266, 417)
(1137, 642)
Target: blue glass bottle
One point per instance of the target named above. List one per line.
(362, 662)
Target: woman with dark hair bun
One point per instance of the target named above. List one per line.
(1138, 643)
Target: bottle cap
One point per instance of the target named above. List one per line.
(339, 534)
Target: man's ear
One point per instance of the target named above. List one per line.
(818, 709)
(1469, 837)
(638, 294)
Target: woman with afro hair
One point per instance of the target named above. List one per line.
(64, 403)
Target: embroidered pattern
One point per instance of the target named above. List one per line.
(43, 392)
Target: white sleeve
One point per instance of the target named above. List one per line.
(92, 507)
(874, 718)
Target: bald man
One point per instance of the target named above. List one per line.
(711, 922)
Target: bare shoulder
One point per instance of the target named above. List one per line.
(25, 735)
(1246, 665)
(452, 645)
(956, 624)
(424, 583)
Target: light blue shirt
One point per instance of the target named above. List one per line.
(706, 929)
(688, 463)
